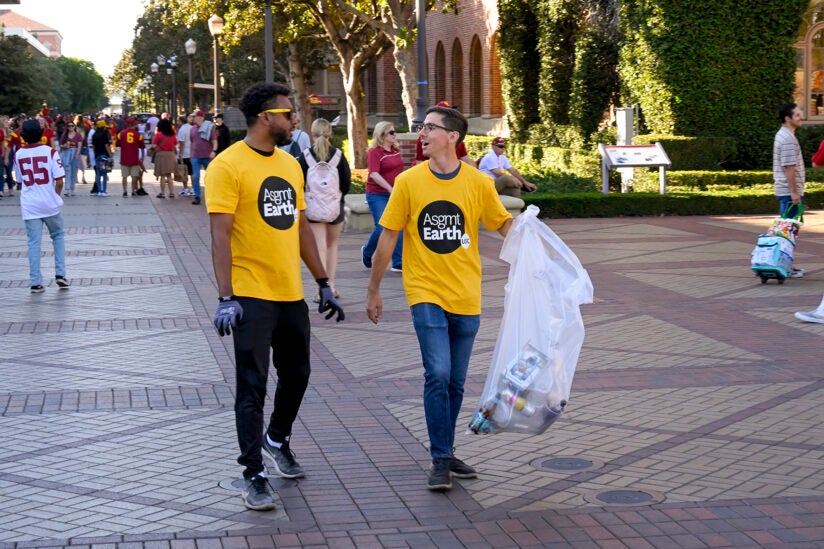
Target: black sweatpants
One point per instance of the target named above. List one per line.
(282, 328)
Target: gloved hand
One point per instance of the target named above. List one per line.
(329, 303)
(227, 316)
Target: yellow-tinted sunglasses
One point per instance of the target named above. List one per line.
(287, 112)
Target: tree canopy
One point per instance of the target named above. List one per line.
(29, 82)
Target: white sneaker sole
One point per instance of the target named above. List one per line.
(807, 317)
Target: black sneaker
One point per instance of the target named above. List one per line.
(39, 289)
(282, 459)
(196, 200)
(459, 469)
(439, 477)
(365, 261)
(125, 194)
(256, 494)
(61, 281)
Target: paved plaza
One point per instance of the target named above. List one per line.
(695, 418)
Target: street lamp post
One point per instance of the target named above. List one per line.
(153, 67)
(191, 48)
(423, 70)
(171, 68)
(216, 29)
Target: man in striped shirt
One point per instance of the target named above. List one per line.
(788, 166)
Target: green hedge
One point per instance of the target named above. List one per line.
(652, 204)
(693, 153)
(711, 68)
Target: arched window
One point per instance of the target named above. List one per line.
(809, 72)
(457, 74)
(440, 73)
(476, 65)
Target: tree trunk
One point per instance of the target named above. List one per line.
(297, 80)
(407, 66)
(355, 112)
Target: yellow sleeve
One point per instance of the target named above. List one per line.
(223, 188)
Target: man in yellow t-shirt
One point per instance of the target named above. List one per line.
(437, 205)
(259, 235)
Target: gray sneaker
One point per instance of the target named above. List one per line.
(282, 459)
(256, 495)
(439, 477)
(459, 469)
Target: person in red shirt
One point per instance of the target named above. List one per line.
(49, 137)
(130, 142)
(460, 148)
(13, 144)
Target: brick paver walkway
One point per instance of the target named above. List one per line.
(696, 386)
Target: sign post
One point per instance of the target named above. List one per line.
(633, 156)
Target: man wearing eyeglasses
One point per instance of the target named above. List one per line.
(203, 139)
(259, 235)
(438, 204)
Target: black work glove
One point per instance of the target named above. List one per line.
(227, 316)
(328, 301)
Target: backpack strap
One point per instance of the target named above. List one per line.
(335, 159)
(310, 160)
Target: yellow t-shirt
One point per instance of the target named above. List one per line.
(265, 194)
(441, 262)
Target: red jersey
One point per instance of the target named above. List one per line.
(14, 141)
(130, 142)
(48, 136)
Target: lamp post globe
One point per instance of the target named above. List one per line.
(191, 48)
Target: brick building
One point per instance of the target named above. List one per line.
(41, 38)
(463, 67)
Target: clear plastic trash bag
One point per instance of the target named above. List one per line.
(541, 332)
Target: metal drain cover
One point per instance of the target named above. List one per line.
(627, 497)
(567, 464)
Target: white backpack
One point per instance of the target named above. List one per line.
(322, 188)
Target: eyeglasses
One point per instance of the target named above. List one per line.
(391, 132)
(429, 126)
(288, 113)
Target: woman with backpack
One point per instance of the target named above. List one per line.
(327, 179)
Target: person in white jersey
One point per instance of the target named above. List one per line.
(41, 175)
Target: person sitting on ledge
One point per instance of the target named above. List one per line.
(494, 163)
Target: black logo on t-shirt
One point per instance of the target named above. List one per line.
(278, 203)
(442, 227)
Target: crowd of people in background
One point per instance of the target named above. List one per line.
(89, 142)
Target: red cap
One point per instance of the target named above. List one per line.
(499, 141)
(199, 113)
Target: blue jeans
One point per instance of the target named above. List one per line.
(785, 202)
(67, 158)
(198, 163)
(377, 204)
(34, 232)
(446, 341)
(101, 179)
(8, 169)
